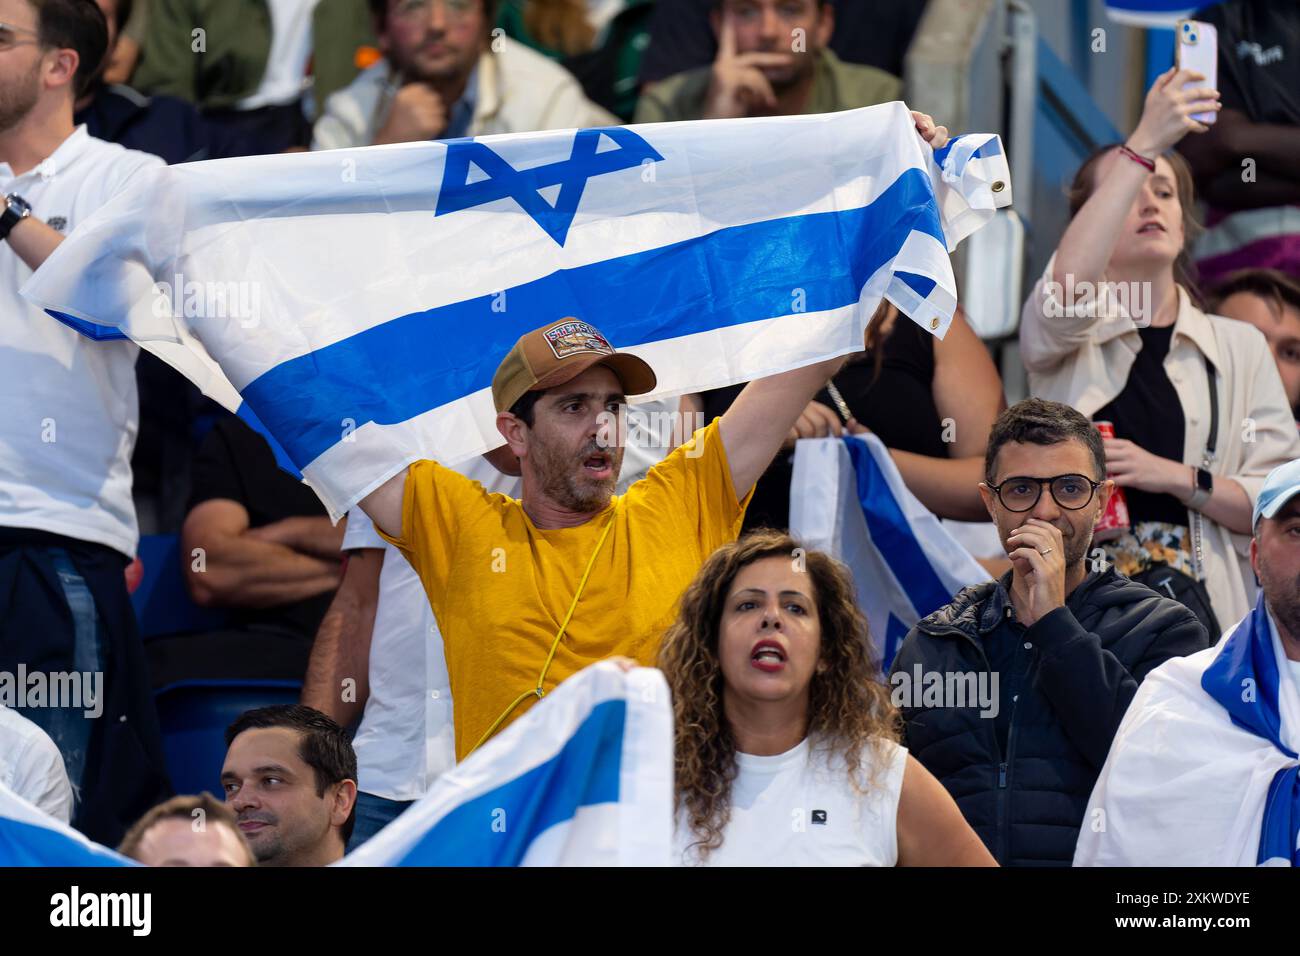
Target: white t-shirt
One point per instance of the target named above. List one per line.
(406, 738)
(32, 767)
(286, 65)
(800, 808)
(70, 404)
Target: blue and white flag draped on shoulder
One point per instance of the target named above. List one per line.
(585, 778)
(847, 498)
(31, 837)
(1204, 770)
(357, 302)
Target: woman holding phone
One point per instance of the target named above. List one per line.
(1114, 328)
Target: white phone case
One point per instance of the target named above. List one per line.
(1198, 49)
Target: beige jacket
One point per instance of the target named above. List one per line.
(1085, 361)
(519, 91)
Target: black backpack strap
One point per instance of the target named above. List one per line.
(1214, 408)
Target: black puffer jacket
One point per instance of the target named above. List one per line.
(1084, 666)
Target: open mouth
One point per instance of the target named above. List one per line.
(768, 656)
(598, 465)
(1151, 227)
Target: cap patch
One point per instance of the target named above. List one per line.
(570, 338)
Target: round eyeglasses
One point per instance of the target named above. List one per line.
(1022, 492)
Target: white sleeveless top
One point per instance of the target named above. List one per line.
(800, 808)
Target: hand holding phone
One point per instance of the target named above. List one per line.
(1198, 51)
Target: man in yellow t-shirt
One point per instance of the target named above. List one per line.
(502, 574)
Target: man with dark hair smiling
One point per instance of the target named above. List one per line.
(291, 777)
(1068, 645)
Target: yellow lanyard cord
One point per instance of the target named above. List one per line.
(573, 606)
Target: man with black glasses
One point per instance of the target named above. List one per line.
(1062, 641)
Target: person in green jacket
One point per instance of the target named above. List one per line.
(773, 60)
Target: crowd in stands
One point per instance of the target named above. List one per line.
(1183, 342)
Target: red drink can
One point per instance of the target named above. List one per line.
(1114, 518)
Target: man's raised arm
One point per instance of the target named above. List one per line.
(761, 417)
(384, 504)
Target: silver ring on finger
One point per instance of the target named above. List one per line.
(1046, 551)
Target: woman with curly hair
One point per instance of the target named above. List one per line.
(786, 741)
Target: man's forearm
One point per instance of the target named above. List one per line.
(1268, 188)
(245, 572)
(1218, 157)
(762, 415)
(337, 683)
(314, 536)
(33, 241)
(947, 486)
(338, 672)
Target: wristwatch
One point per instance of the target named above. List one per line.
(16, 210)
(1202, 488)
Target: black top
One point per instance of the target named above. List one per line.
(897, 405)
(236, 463)
(1259, 58)
(1147, 412)
(166, 126)
(1004, 647)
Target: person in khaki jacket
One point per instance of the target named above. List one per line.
(1113, 328)
(445, 74)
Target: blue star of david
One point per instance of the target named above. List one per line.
(524, 186)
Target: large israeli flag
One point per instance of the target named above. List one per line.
(848, 498)
(585, 778)
(31, 837)
(357, 302)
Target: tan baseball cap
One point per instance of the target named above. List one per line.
(555, 354)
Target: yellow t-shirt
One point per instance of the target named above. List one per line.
(500, 586)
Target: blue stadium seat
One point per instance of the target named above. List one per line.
(194, 715)
(162, 605)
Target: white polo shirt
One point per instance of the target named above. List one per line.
(32, 767)
(70, 404)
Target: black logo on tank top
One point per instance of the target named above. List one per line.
(819, 816)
